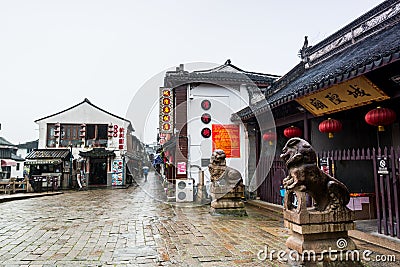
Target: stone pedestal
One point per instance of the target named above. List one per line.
(226, 201)
(323, 233)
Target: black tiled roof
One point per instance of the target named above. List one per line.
(219, 74)
(371, 53)
(379, 9)
(29, 145)
(48, 154)
(4, 142)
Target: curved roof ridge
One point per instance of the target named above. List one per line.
(228, 63)
(84, 101)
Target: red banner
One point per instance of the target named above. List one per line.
(227, 138)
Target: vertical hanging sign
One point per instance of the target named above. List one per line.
(117, 172)
(121, 137)
(166, 110)
(181, 167)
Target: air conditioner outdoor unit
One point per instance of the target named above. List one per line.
(184, 190)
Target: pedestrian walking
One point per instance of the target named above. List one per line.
(145, 172)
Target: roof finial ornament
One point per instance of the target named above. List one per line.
(305, 45)
(304, 51)
(228, 62)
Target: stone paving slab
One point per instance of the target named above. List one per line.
(135, 227)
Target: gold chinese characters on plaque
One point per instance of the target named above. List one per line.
(166, 110)
(353, 93)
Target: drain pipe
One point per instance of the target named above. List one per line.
(201, 179)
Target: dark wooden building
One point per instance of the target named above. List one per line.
(343, 77)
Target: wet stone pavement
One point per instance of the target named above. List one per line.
(135, 227)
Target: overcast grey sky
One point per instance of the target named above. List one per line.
(53, 54)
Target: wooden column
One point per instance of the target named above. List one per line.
(180, 110)
(306, 127)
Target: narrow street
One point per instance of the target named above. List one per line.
(132, 227)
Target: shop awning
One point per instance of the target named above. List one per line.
(48, 154)
(8, 162)
(43, 161)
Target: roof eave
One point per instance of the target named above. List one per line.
(88, 102)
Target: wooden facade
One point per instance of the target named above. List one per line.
(181, 148)
(368, 49)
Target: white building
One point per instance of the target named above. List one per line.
(12, 166)
(203, 102)
(26, 148)
(102, 145)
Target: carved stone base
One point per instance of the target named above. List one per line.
(331, 249)
(324, 233)
(218, 192)
(228, 203)
(320, 242)
(327, 227)
(228, 206)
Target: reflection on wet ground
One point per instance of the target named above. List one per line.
(132, 227)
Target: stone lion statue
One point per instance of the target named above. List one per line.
(227, 189)
(221, 174)
(305, 176)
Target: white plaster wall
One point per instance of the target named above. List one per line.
(22, 152)
(20, 172)
(224, 102)
(87, 114)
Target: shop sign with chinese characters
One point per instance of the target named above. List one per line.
(355, 92)
(227, 138)
(119, 132)
(181, 166)
(166, 110)
(121, 138)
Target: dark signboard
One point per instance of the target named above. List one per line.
(382, 167)
(325, 166)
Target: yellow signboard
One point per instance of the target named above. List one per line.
(353, 93)
(166, 110)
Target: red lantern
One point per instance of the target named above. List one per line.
(380, 117)
(270, 137)
(330, 126)
(292, 131)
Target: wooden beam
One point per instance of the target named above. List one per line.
(291, 119)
